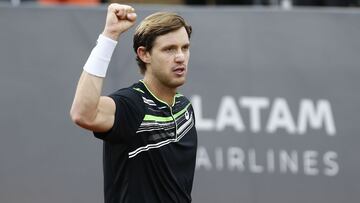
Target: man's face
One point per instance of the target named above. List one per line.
(169, 58)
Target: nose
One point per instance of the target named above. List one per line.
(179, 57)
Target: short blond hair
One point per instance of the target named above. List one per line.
(155, 25)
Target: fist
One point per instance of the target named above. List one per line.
(119, 19)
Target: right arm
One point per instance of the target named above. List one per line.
(90, 110)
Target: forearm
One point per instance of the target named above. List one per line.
(89, 109)
(87, 97)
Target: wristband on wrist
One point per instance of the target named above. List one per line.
(99, 59)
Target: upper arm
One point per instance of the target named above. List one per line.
(128, 113)
(105, 115)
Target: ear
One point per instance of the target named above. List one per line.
(143, 54)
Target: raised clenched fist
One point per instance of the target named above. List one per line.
(119, 19)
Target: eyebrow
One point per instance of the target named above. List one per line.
(174, 46)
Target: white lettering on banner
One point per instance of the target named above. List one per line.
(201, 122)
(280, 117)
(203, 159)
(219, 158)
(270, 161)
(316, 116)
(330, 161)
(254, 104)
(230, 115)
(310, 163)
(237, 159)
(253, 166)
(310, 116)
(288, 161)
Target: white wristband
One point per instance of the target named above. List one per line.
(99, 59)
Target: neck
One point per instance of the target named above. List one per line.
(165, 94)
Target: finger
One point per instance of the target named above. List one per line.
(131, 16)
(126, 13)
(130, 10)
(120, 10)
(119, 6)
(121, 13)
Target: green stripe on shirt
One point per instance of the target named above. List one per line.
(167, 118)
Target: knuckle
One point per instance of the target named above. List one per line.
(111, 6)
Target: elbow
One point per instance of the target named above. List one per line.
(78, 118)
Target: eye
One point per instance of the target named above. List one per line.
(185, 48)
(170, 49)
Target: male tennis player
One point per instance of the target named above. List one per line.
(148, 128)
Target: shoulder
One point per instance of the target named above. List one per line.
(182, 100)
(128, 93)
(128, 97)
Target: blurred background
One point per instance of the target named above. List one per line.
(331, 3)
(274, 85)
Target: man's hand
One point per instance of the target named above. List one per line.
(118, 20)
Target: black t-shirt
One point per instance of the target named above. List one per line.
(150, 152)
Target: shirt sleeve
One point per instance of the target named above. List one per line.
(128, 116)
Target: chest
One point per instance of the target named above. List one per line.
(166, 130)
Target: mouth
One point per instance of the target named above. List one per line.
(179, 70)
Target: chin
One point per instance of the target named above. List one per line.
(178, 82)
